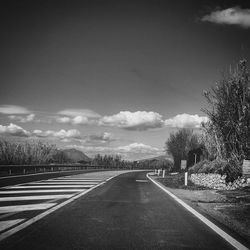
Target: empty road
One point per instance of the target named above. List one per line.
(127, 212)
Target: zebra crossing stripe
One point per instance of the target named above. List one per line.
(42, 191)
(50, 186)
(62, 183)
(9, 223)
(79, 178)
(49, 211)
(70, 181)
(38, 197)
(22, 208)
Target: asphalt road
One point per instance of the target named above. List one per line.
(128, 212)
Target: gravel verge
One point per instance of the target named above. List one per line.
(230, 208)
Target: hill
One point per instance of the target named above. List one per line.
(74, 155)
(157, 158)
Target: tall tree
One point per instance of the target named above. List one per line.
(229, 114)
(179, 144)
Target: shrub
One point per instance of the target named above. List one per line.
(197, 167)
(229, 114)
(230, 168)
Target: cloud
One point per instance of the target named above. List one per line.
(231, 16)
(61, 134)
(79, 112)
(23, 119)
(139, 120)
(74, 120)
(103, 138)
(138, 148)
(13, 110)
(77, 116)
(186, 121)
(14, 130)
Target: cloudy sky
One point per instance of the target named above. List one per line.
(114, 76)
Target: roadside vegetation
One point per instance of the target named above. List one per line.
(224, 141)
(26, 153)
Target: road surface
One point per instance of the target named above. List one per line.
(128, 212)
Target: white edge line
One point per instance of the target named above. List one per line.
(215, 228)
(42, 215)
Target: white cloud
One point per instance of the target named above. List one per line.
(138, 148)
(63, 119)
(23, 119)
(77, 116)
(186, 121)
(79, 112)
(80, 120)
(61, 134)
(231, 16)
(77, 120)
(13, 110)
(14, 130)
(139, 120)
(100, 138)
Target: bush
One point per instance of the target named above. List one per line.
(198, 167)
(230, 168)
(229, 114)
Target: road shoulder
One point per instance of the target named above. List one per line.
(194, 200)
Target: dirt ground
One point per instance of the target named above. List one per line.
(231, 208)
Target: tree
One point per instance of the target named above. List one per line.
(229, 114)
(179, 144)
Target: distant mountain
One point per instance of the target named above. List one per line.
(157, 158)
(75, 155)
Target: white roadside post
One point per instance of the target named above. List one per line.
(184, 166)
(186, 178)
(159, 171)
(163, 173)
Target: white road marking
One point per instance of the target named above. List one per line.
(9, 223)
(210, 224)
(33, 198)
(41, 191)
(78, 179)
(21, 208)
(62, 182)
(50, 186)
(51, 210)
(141, 180)
(71, 180)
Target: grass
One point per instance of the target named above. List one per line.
(177, 181)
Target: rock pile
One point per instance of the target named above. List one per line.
(217, 181)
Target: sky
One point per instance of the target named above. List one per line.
(114, 77)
